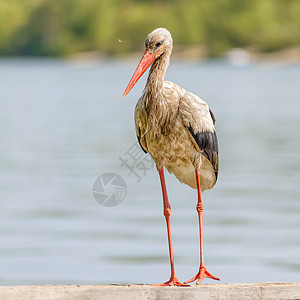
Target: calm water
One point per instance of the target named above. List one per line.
(64, 124)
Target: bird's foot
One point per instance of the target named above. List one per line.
(173, 281)
(203, 273)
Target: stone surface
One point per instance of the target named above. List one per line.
(140, 292)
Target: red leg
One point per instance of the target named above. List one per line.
(167, 213)
(200, 208)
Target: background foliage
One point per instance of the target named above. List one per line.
(61, 27)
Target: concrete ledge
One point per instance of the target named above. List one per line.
(140, 292)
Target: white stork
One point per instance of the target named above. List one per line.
(176, 128)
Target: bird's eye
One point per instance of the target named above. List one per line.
(158, 44)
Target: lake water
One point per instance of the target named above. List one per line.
(63, 124)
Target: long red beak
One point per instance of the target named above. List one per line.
(144, 64)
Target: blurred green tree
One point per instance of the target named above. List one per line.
(61, 27)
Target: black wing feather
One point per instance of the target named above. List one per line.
(139, 140)
(208, 143)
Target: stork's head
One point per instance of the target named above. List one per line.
(158, 42)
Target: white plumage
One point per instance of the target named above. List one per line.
(168, 139)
